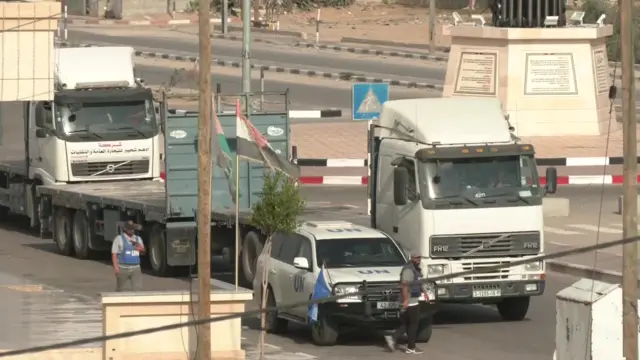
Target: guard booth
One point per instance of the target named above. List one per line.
(589, 321)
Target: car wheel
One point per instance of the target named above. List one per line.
(251, 249)
(514, 309)
(275, 324)
(425, 329)
(323, 332)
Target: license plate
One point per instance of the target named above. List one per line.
(487, 293)
(385, 305)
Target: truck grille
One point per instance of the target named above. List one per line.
(502, 274)
(486, 244)
(383, 291)
(110, 168)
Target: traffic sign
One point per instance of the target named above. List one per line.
(367, 100)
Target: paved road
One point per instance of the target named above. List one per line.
(472, 332)
(303, 95)
(285, 56)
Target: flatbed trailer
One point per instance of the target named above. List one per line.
(86, 217)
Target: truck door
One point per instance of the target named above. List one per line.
(406, 219)
(42, 151)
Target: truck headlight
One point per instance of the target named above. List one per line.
(344, 290)
(430, 289)
(533, 266)
(437, 270)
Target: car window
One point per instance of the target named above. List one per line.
(289, 248)
(357, 252)
(276, 245)
(305, 249)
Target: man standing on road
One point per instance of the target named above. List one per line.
(125, 255)
(410, 313)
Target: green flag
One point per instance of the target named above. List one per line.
(221, 154)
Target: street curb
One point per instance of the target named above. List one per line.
(143, 22)
(409, 55)
(393, 44)
(582, 271)
(351, 77)
(562, 180)
(293, 114)
(354, 50)
(568, 161)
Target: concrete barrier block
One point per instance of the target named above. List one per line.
(555, 207)
(619, 209)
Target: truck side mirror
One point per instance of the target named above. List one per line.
(41, 133)
(400, 185)
(552, 180)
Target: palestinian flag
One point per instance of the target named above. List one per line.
(254, 147)
(221, 154)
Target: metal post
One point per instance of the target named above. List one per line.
(630, 193)
(203, 351)
(317, 27)
(218, 97)
(261, 89)
(530, 13)
(432, 26)
(246, 46)
(225, 16)
(519, 14)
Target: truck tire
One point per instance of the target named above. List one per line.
(251, 248)
(514, 309)
(158, 253)
(274, 324)
(81, 235)
(63, 234)
(323, 332)
(425, 329)
(4, 212)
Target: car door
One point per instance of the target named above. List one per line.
(274, 267)
(286, 270)
(304, 280)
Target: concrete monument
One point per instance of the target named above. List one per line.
(551, 80)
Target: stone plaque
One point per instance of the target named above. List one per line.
(476, 74)
(550, 74)
(601, 71)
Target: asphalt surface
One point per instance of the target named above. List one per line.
(266, 54)
(302, 95)
(470, 332)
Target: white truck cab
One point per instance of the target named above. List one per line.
(101, 124)
(451, 181)
(354, 258)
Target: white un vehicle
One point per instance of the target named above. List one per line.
(355, 258)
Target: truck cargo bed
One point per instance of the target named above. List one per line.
(149, 197)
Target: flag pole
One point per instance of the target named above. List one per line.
(237, 200)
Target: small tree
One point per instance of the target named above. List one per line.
(276, 212)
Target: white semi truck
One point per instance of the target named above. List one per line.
(100, 125)
(450, 179)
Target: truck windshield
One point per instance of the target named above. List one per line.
(100, 118)
(480, 177)
(358, 252)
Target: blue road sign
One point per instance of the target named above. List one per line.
(367, 100)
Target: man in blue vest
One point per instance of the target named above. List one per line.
(125, 255)
(410, 297)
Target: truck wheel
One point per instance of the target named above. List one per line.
(274, 324)
(425, 329)
(251, 249)
(158, 253)
(63, 234)
(514, 309)
(81, 235)
(323, 332)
